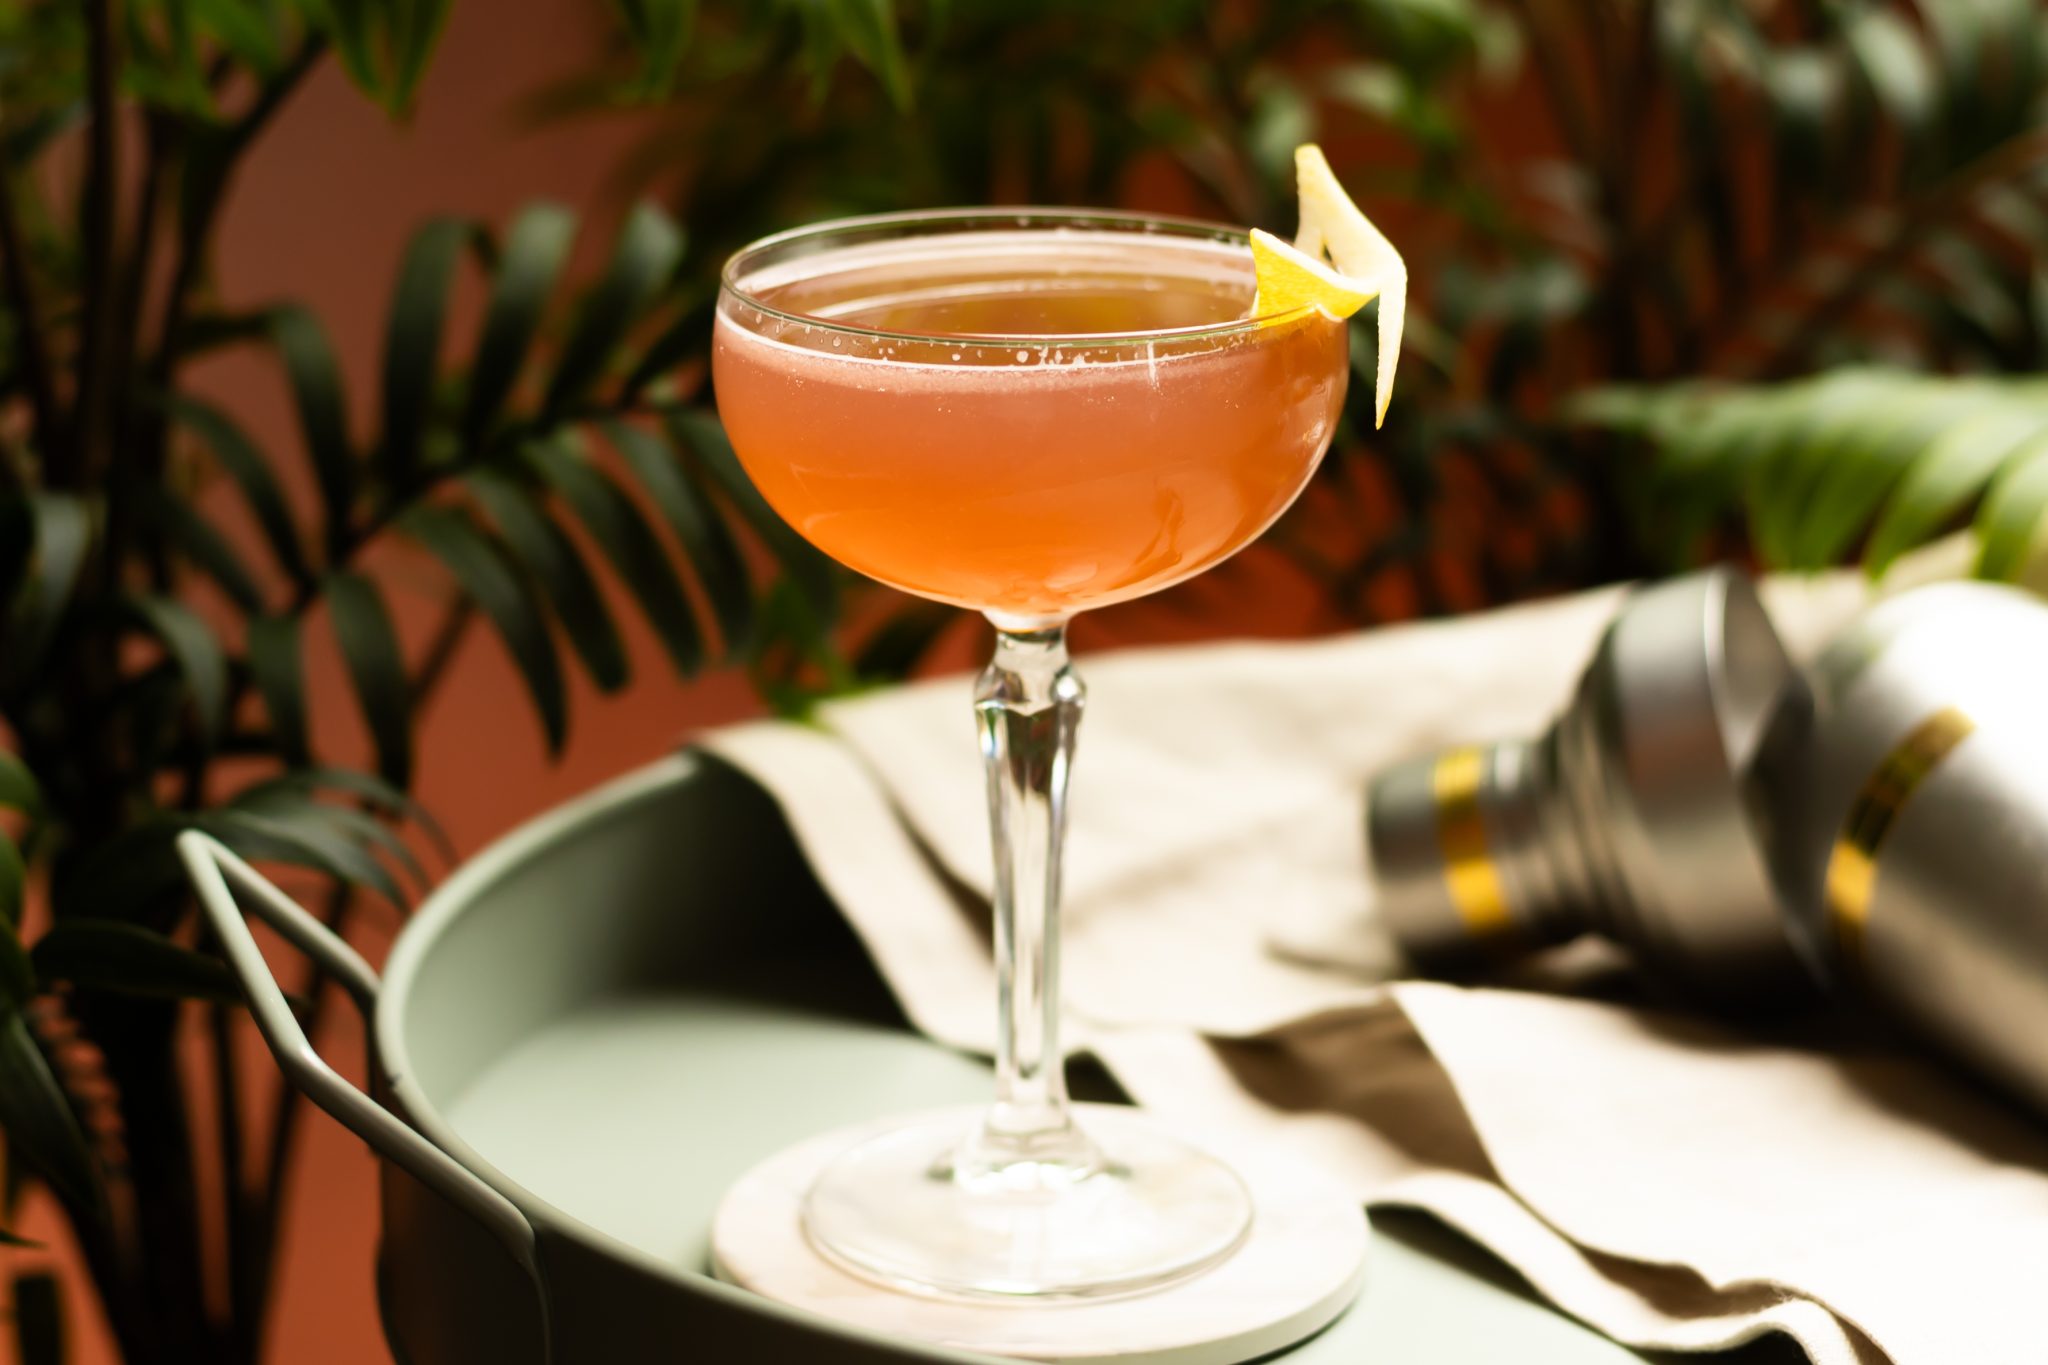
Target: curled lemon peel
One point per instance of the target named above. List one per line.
(1338, 263)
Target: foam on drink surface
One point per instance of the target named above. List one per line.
(1037, 297)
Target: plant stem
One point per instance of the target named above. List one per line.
(194, 246)
(237, 1204)
(91, 417)
(136, 1038)
(35, 360)
(195, 239)
(126, 453)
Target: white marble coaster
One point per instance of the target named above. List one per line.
(1301, 1265)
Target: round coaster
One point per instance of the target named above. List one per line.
(1301, 1265)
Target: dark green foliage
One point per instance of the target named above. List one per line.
(484, 571)
(152, 664)
(376, 665)
(117, 956)
(41, 1127)
(1586, 194)
(555, 562)
(412, 345)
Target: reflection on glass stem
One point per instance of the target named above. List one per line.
(1028, 705)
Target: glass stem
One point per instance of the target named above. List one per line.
(1028, 706)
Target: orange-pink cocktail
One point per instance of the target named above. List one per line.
(1028, 422)
(1027, 414)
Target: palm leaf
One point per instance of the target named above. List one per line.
(114, 955)
(1949, 474)
(867, 29)
(700, 434)
(332, 827)
(532, 258)
(1888, 434)
(323, 418)
(649, 247)
(40, 1125)
(1891, 459)
(300, 839)
(279, 670)
(557, 565)
(18, 787)
(351, 24)
(660, 30)
(412, 343)
(244, 28)
(191, 644)
(696, 525)
(376, 666)
(252, 474)
(199, 541)
(1893, 66)
(368, 787)
(418, 29)
(60, 533)
(682, 337)
(384, 47)
(480, 567)
(625, 538)
(2011, 517)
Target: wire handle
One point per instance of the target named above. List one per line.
(217, 873)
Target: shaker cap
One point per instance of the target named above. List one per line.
(1633, 816)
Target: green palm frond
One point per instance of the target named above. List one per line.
(490, 467)
(1869, 463)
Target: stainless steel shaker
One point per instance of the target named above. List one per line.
(1881, 822)
(1909, 835)
(1631, 817)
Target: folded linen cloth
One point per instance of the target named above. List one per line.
(1663, 1178)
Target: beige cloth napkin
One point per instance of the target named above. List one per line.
(1664, 1179)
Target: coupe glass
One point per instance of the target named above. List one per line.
(1024, 413)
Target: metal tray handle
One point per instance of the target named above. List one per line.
(213, 868)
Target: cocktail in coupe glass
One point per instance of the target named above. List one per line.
(1026, 414)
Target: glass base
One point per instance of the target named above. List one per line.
(926, 1207)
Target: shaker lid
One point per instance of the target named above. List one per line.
(1635, 816)
(1691, 684)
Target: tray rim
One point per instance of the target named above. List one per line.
(392, 1059)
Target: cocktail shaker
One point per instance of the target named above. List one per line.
(1909, 833)
(1633, 816)
(1877, 825)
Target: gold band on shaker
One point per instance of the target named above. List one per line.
(1469, 874)
(1852, 866)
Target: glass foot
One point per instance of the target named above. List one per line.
(934, 1206)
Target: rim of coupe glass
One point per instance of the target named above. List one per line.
(1163, 224)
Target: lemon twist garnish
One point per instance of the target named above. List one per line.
(1361, 265)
